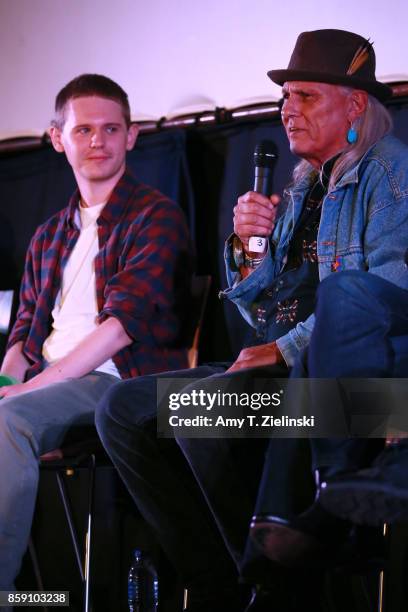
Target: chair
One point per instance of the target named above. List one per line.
(88, 453)
(7, 307)
(200, 288)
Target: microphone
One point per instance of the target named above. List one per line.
(265, 156)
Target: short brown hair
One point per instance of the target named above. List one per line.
(90, 85)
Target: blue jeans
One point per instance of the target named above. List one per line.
(32, 424)
(361, 330)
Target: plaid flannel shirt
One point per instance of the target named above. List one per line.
(142, 278)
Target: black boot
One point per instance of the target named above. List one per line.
(310, 537)
(375, 495)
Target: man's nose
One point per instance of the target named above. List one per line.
(289, 108)
(97, 139)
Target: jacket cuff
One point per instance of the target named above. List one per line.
(292, 343)
(243, 291)
(288, 349)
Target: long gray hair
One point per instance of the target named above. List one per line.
(372, 125)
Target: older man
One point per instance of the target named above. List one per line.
(363, 210)
(348, 193)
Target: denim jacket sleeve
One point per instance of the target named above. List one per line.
(295, 340)
(244, 292)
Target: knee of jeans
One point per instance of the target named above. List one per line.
(349, 282)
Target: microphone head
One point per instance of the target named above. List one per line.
(266, 153)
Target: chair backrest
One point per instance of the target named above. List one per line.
(7, 315)
(200, 287)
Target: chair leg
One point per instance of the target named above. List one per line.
(70, 521)
(36, 568)
(88, 543)
(381, 585)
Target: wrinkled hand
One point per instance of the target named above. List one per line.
(257, 356)
(254, 215)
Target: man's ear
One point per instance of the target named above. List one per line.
(55, 135)
(132, 135)
(358, 104)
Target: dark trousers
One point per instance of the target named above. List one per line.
(197, 494)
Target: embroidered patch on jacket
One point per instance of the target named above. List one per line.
(260, 314)
(309, 251)
(287, 311)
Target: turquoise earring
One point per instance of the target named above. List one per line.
(352, 135)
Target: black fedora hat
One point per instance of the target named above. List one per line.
(333, 56)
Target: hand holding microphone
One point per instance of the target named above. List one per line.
(265, 156)
(255, 212)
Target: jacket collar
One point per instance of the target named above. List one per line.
(351, 176)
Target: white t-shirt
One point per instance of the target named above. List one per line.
(76, 310)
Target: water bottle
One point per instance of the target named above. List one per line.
(143, 585)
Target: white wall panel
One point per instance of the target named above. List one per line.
(168, 54)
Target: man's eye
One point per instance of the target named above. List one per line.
(83, 130)
(111, 129)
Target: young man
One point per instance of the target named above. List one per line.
(101, 299)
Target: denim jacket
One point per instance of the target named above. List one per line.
(364, 226)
